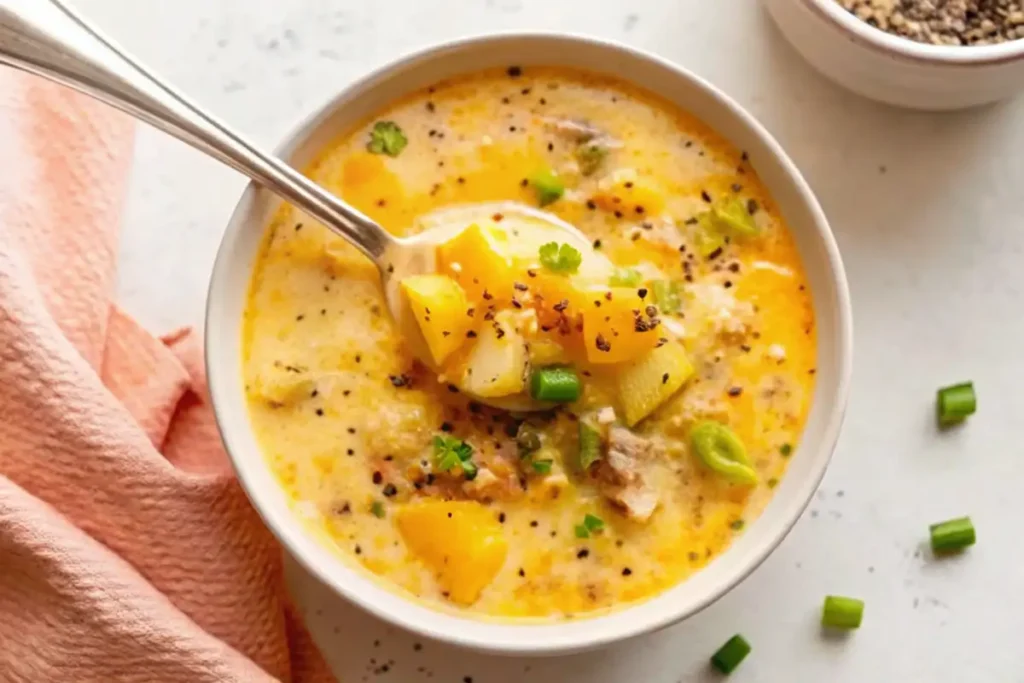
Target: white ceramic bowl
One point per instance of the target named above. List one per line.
(897, 70)
(818, 249)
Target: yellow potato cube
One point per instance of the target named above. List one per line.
(496, 365)
(651, 380)
(461, 541)
(440, 306)
(477, 259)
(616, 329)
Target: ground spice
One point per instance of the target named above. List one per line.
(944, 22)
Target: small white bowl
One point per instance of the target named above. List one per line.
(893, 69)
(817, 247)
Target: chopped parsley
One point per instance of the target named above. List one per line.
(591, 525)
(562, 258)
(387, 138)
(377, 509)
(450, 452)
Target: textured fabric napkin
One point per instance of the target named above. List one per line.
(128, 552)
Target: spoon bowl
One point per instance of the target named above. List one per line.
(417, 255)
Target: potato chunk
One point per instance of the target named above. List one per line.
(461, 541)
(440, 306)
(650, 381)
(497, 364)
(477, 258)
(616, 325)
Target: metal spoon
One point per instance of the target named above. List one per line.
(46, 38)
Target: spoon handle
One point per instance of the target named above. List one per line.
(46, 38)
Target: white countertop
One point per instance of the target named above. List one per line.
(928, 213)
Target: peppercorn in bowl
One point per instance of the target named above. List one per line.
(919, 54)
(692, 363)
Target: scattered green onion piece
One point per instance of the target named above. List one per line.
(731, 216)
(590, 444)
(626, 277)
(955, 403)
(591, 525)
(556, 383)
(840, 612)
(953, 535)
(590, 156)
(708, 238)
(542, 466)
(666, 296)
(719, 448)
(377, 509)
(547, 186)
(593, 522)
(528, 440)
(731, 654)
(786, 450)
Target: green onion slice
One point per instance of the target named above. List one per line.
(952, 535)
(955, 403)
(547, 186)
(556, 383)
(719, 448)
(840, 612)
(590, 444)
(732, 216)
(729, 656)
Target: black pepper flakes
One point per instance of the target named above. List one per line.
(626, 571)
(664, 378)
(447, 427)
(390, 490)
(319, 412)
(378, 478)
(514, 71)
(602, 344)
(705, 196)
(583, 554)
(735, 391)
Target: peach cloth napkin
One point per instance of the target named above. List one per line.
(128, 551)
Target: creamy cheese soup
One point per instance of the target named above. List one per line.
(676, 359)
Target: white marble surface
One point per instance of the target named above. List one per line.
(927, 210)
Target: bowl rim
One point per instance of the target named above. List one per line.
(291, 533)
(947, 55)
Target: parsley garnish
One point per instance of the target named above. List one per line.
(591, 525)
(450, 452)
(387, 138)
(377, 508)
(560, 258)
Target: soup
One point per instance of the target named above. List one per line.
(676, 359)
